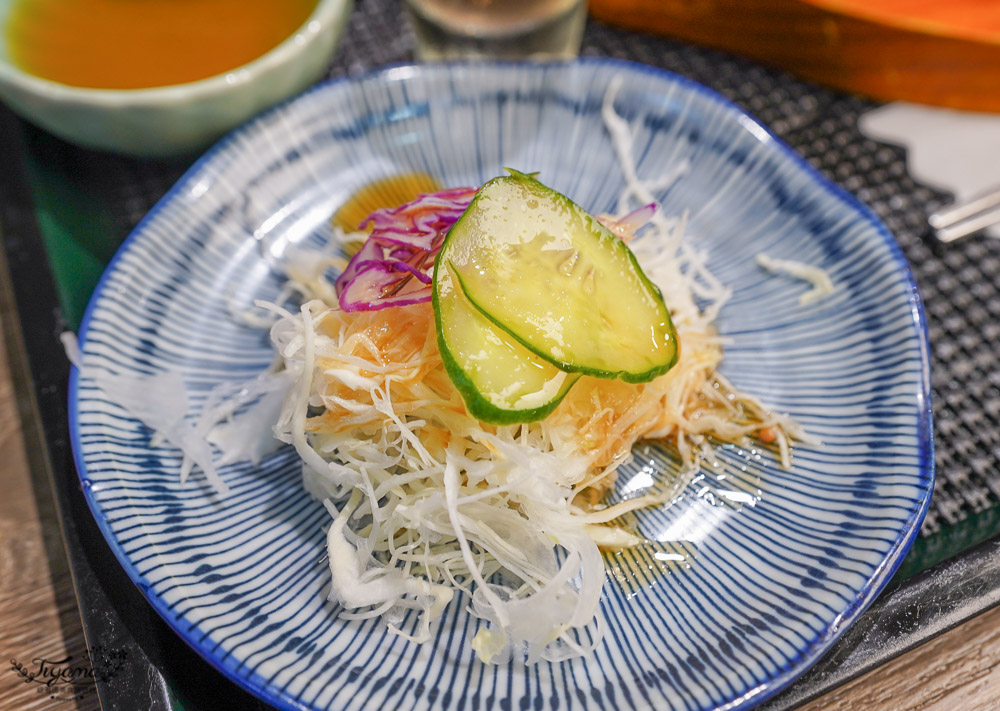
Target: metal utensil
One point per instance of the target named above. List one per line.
(963, 219)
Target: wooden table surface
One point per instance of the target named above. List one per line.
(40, 629)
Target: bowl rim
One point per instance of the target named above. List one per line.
(324, 14)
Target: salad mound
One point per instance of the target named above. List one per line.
(430, 500)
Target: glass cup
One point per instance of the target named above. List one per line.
(497, 29)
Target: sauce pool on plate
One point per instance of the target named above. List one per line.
(136, 44)
(384, 192)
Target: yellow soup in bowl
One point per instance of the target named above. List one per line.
(137, 44)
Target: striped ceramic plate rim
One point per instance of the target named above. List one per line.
(385, 95)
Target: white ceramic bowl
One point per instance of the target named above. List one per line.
(179, 118)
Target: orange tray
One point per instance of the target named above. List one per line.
(929, 51)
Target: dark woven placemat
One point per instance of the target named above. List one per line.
(960, 284)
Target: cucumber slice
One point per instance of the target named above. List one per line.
(500, 380)
(546, 272)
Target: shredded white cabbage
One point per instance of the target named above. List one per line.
(822, 284)
(481, 514)
(160, 401)
(72, 348)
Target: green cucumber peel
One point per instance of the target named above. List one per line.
(589, 244)
(451, 312)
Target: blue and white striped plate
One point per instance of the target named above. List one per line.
(761, 569)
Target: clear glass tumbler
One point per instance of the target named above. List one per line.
(497, 29)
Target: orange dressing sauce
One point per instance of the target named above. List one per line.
(385, 192)
(134, 44)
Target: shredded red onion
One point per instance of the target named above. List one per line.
(395, 265)
(625, 227)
